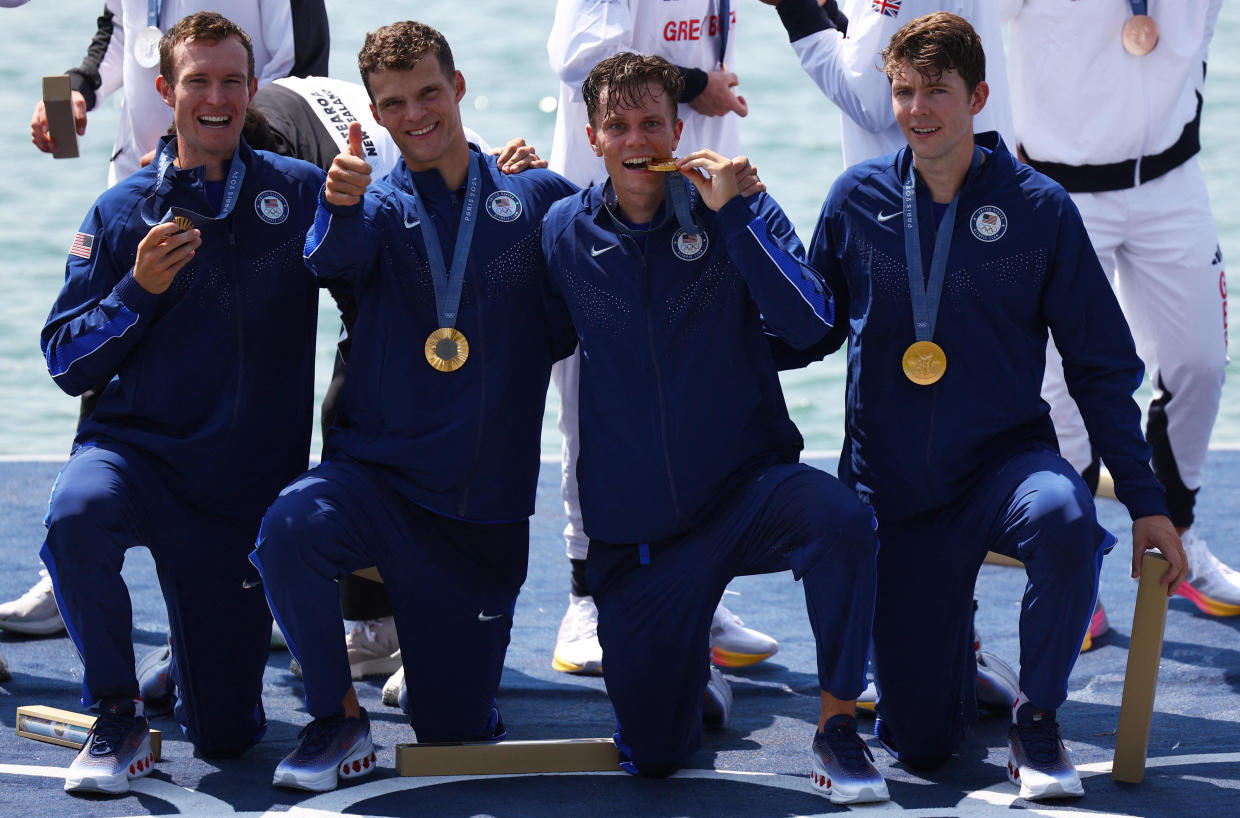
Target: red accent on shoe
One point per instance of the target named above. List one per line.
(131, 770)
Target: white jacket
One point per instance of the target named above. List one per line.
(144, 116)
(849, 71)
(1079, 98)
(586, 31)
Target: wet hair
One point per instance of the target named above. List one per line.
(936, 43)
(626, 79)
(205, 26)
(399, 47)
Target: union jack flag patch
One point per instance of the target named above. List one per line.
(887, 8)
(83, 243)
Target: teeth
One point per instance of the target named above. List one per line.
(638, 161)
(924, 130)
(214, 119)
(425, 130)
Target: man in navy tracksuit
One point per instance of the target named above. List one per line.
(203, 333)
(432, 464)
(688, 469)
(947, 436)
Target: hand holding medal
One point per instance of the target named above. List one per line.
(717, 189)
(349, 175)
(165, 249)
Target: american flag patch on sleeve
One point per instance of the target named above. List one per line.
(83, 243)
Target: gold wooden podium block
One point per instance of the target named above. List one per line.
(58, 102)
(1002, 559)
(574, 755)
(1136, 709)
(63, 727)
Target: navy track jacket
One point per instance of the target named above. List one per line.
(680, 396)
(215, 376)
(1021, 264)
(464, 444)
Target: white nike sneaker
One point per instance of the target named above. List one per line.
(734, 645)
(1211, 585)
(373, 647)
(34, 612)
(576, 646)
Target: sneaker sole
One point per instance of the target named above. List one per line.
(374, 667)
(37, 627)
(862, 795)
(726, 658)
(1207, 605)
(118, 783)
(357, 764)
(587, 669)
(1052, 789)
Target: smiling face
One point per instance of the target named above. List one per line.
(628, 136)
(209, 93)
(936, 114)
(420, 108)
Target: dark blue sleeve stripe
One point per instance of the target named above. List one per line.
(61, 358)
(317, 231)
(791, 271)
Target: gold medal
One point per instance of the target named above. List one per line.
(924, 362)
(183, 223)
(1140, 35)
(446, 349)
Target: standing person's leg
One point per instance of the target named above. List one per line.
(220, 627)
(454, 584)
(1171, 282)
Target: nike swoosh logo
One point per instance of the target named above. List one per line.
(594, 251)
(247, 585)
(412, 224)
(887, 217)
(482, 616)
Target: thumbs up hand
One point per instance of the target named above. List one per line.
(350, 173)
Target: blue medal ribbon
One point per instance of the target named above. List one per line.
(152, 12)
(925, 294)
(232, 189)
(678, 194)
(447, 283)
(1139, 6)
(725, 22)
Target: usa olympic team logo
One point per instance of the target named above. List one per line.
(988, 223)
(504, 206)
(271, 207)
(689, 246)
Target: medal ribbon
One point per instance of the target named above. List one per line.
(152, 12)
(678, 194)
(232, 188)
(448, 284)
(1138, 6)
(925, 294)
(725, 22)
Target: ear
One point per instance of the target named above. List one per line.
(676, 131)
(593, 140)
(165, 90)
(980, 94)
(253, 87)
(375, 113)
(459, 82)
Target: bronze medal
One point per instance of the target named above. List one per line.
(1140, 35)
(446, 349)
(924, 362)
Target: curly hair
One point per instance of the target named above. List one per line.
(626, 78)
(399, 47)
(205, 26)
(936, 43)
